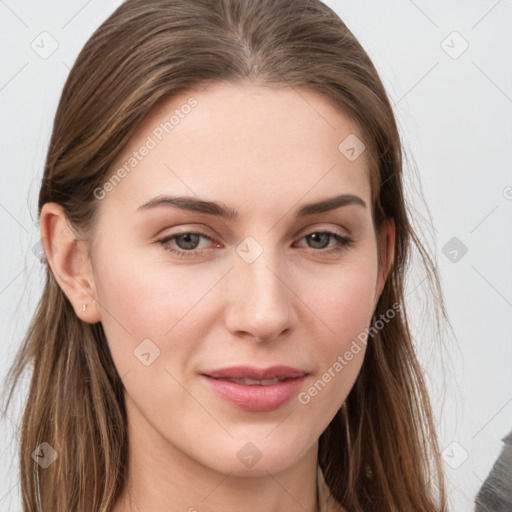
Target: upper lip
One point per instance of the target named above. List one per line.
(248, 372)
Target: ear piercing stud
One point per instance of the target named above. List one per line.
(84, 306)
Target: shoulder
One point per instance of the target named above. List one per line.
(496, 491)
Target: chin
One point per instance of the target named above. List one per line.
(257, 456)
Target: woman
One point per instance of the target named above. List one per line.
(223, 324)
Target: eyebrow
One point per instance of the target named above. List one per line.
(220, 210)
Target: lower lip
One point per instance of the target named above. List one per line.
(256, 398)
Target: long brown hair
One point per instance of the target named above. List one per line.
(380, 452)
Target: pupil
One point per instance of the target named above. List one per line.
(321, 238)
(190, 241)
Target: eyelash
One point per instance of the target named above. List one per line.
(343, 242)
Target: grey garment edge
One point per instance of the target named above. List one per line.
(495, 495)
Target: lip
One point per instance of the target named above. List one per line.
(249, 372)
(256, 398)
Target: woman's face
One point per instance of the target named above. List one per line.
(237, 273)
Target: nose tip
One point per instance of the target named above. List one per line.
(260, 305)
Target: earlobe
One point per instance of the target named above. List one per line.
(69, 262)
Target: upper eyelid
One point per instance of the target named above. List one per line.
(303, 231)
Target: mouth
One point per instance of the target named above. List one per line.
(256, 374)
(256, 390)
(253, 382)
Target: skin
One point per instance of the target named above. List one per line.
(263, 151)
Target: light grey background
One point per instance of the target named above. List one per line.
(454, 109)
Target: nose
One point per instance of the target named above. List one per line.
(260, 299)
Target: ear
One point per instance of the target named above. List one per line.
(69, 262)
(386, 256)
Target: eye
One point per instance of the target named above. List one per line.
(189, 243)
(186, 243)
(320, 240)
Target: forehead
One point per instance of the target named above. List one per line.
(242, 144)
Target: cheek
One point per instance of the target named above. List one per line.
(343, 301)
(344, 305)
(140, 301)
